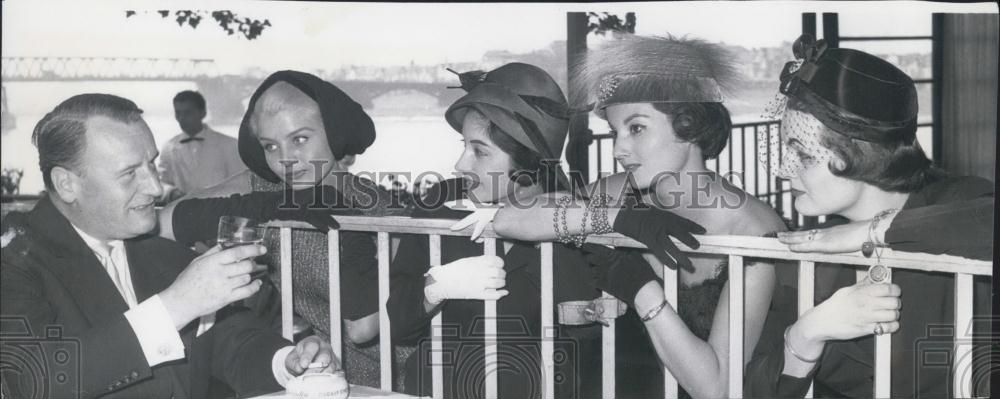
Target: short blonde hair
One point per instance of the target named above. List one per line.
(280, 97)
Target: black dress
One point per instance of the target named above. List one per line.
(577, 348)
(953, 216)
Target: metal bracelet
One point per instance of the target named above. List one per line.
(796, 354)
(655, 311)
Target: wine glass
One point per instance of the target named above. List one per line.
(235, 231)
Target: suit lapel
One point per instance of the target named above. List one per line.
(75, 265)
(150, 274)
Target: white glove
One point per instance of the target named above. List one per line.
(475, 277)
(482, 215)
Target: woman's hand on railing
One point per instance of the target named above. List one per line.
(854, 311)
(481, 216)
(621, 273)
(476, 277)
(653, 227)
(842, 238)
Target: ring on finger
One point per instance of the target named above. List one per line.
(879, 330)
(812, 234)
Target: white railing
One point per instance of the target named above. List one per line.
(735, 247)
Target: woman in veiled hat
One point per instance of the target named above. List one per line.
(512, 119)
(849, 131)
(662, 98)
(302, 133)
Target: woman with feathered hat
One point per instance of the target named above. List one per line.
(849, 132)
(662, 98)
(512, 120)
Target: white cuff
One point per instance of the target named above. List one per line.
(281, 373)
(155, 331)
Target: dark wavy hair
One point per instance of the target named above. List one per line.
(897, 165)
(529, 168)
(708, 125)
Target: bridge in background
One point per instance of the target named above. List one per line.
(224, 93)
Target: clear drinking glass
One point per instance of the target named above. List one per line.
(235, 231)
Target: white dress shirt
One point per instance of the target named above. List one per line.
(193, 163)
(150, 320)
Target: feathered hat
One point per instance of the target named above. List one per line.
(641, 69)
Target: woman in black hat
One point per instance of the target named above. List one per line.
(302, 133)
(662, 98)
(512, 119)
(849, 130)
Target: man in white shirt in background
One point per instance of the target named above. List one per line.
(199, 157)
(129, 308)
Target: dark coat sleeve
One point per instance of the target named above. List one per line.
(241, 348)
(764, 377)
(954, 217)
(409, 320)
(31, 318)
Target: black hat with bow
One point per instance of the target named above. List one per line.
(851, 92)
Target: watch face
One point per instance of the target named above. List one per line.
(878, 273)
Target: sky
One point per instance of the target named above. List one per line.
(329, 35)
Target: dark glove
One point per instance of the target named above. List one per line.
(619, 272)
(197, 219)
(653, 227)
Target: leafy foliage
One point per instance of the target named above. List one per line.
(602, 23)
(229, 21)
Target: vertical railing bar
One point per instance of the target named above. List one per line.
(608, 356)
(333, 251)
(736, 326)
(548, 323)
(756, 163)
(670, 389)
(963, 328)
(437, 361)
(807, 295)
(287, 310)
(743, 158)
(768, 169)
(384, 332)
(490, 336)
(883, 362)
(730, 145)
(600, 157)
(883, 353)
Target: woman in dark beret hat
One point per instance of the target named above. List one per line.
(300, 134)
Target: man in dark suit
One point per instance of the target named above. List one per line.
(129, 308)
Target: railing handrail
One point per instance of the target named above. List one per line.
(758, 247)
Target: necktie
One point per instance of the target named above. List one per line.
(116, 264)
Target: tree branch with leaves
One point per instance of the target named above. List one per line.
(229, 21)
